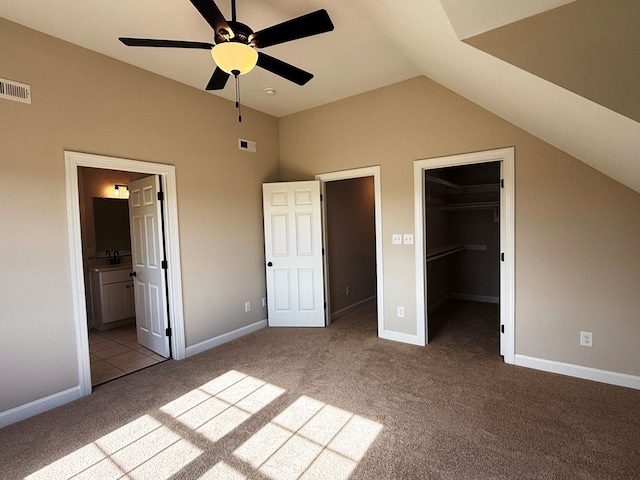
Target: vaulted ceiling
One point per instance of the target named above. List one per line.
(562, 70)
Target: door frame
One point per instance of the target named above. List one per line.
(73, 160)
(506, 157)
(374, 172)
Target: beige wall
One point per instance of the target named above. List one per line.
(86, 102)
(577, 231)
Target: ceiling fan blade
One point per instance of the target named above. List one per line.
(218, 80)
(283, 69)
(212, 14)
(150, 42)
(305, 26)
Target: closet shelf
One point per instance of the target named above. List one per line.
(441, 252)
(469, 206)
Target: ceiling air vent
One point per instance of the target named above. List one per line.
(17, 91)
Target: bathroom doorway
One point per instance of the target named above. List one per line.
(166, 173)
(114, 347)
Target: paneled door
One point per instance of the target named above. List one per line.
(147, 256)
(293, 254)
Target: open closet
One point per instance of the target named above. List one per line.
(463, 245)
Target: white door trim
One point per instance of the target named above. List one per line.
(73, 160)
(507, 224)
(345, 175)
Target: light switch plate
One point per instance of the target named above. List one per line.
(396, 239)
(407, 239)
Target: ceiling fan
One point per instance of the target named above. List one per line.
(235, 45)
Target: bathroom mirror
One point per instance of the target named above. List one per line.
(111, 220)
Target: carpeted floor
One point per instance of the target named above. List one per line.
(339, 403)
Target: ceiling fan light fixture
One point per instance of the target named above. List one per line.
(234, 56)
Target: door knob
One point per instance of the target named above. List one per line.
(133, 274)
(270, 264)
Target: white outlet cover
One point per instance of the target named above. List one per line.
(400, 312)
(586, 339)
(396, 239)
(407, 239)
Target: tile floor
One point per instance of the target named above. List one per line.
(115, 353)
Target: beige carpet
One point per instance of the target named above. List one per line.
(339, 403)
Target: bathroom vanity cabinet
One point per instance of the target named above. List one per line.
(113, 298)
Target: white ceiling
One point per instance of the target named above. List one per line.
(375, 43)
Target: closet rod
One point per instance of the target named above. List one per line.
(469, 206)
(445, 253)
(433, 179)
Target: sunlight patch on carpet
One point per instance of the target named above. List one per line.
(223, 404)
(142, 449)
(310, 439)
(222, 471)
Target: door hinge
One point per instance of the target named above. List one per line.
(325, 305)
(164, 264)
(167, 332)
(502, 183)
(502, 257)
(321, 199)
(323, 251)
(160, 196)
(502, 328)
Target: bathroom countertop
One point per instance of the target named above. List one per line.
(106, 268)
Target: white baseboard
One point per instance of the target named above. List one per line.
(474, 298)
(578, 371)
(225, 337)
(402, 337)
(39, 406)
(343, 311)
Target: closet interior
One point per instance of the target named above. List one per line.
(462, 238)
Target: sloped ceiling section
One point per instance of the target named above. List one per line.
(471, 17)
(590, 47)
(374, 44)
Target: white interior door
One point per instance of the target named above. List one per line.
(293, 253)
(147, 256)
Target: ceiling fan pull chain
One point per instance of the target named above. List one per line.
(236, 74)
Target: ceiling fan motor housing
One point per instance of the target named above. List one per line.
(242, 33)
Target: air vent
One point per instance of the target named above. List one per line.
(17, 91)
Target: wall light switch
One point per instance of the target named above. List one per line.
(407, 239)
(396, 239)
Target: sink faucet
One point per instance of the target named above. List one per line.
(116, 258)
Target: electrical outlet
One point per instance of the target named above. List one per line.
(407, 238)
(401, 312)
(347, 291)
(264, 301)
(396, 239)
(247, 306)
(586, 339)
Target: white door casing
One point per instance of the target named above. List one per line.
(73, 160)
(293, 254)
(344, 175)
(506, 157)
(147, 256)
